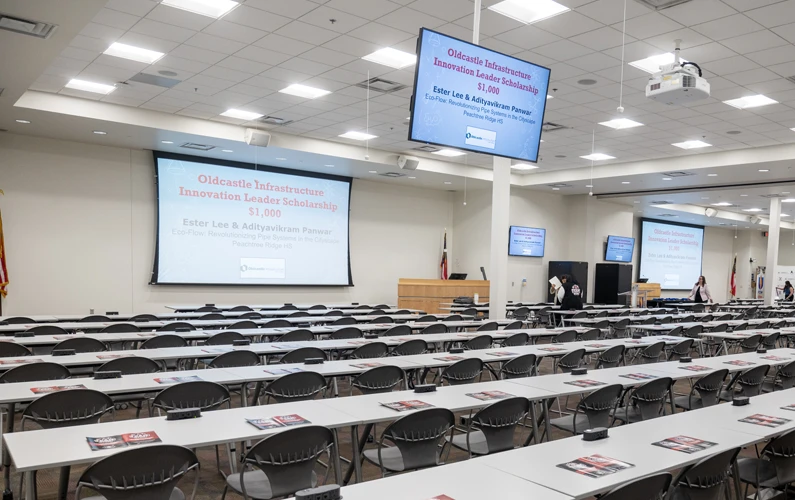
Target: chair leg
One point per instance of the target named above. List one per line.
(63, 482)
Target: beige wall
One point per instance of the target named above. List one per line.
(79, 226)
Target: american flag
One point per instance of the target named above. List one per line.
(734, 278)
(443, 265)
(3, 269)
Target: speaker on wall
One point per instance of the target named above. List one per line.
(710, 212)
(256, 137)
(408, 162)
(610, 280)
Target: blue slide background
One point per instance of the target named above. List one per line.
(526, 241)
(619, 249)
(671, 254)
(444, 123)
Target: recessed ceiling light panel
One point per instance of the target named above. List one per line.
(133, 53)
(391, 57)
(652, 64)
(449, 152)
(304, 91)
(209, 8)
(241, 114)
(529, 12)
(620, 123)
(691, 144)
(598, 157)
(357, 136)
(523, 166)
(86, 86)
(751, 101)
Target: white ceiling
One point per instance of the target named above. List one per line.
(242, 60)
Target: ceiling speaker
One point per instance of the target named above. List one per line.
(408, 162)
(755, 220)
(710, 212)
(256, 137)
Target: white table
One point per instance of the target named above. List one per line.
(194, 307)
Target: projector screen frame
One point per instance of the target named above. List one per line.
(413, 99)
(681, 224)
(156, 155)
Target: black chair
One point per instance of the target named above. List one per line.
(164, 341)
(491, 326)
(435, 328)
(381, 306)
(120, 328)
(693, 332)
(300, 335)
(345, 320)
(81, 344)
(463, 372)
(651, 353)
(298, 386)
(319, 307)
(519, 367)
(478, 343)
(771, 341)
(178, 326)
(243, 325)
(277, 323)
(569, 361)
(211, 317)
(334, 312)
(283, 463)
(646, 401)
(521, 313)
(594, 410)
(566, 336)
(454, 317)
(362, 306)
(762, 325)
(611, 358)
(300, 355)
(130, 365)
(251, 315)
(646, 488)
(346, 333)
(241, 309)
(705, 391)
(370, 351)
(591, 334)
(47, 330)
(234, 359)
(775, 467)
(410, 347)
(428, 318)
(143, 318)
(299, 314)
(706, 479)
(516, 340)
(543, 317)
(748, 382)
(12, 350)
(205, 309)
(378, 379)
(418, 441)
(492, 429)
(516, 325)
(707, 318)
(19, 320)
(676, 332)
(752, 343)
(783, 379)
(150, 472)
(227, 337)
(470, 311)
(35, 372)
(621, 328)
(680, 350)
(94, 318)
(382, 320)
(288, 307)
(201, 394)
(398, 331)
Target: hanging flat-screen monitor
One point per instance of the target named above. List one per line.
(671, 253)
(526, 241)
(619, 249)
(472, 98)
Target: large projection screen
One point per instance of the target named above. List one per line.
(670, 254)
(227, 223)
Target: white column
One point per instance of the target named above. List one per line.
(498, 263)
(772, 250)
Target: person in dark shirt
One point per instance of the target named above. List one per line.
(569, 294)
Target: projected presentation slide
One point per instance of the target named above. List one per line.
(228, 225)
(526, 241)
(670, 254)
(619, 249)
(472, 98)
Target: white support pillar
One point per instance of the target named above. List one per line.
(772, 251)
(498, 263)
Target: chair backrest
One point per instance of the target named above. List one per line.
(681, 349)
(491, 326)
(382, 319)
(687, 319)
(131, 365)
(785, 375)
(612, 357)
(398, 331)
(120, 328)
(288, 307)
(362, 306)
(67, 408)
(470, 311)
(19, 320)
(751, 344)
(454, 317)
(205, 309)
(621, 325)
(625, 313)
(172, 327)
(676, 332)
(592, 334)
(705, 480)
(298, 386)
(750, 313)
(463, 372)
(12, 350)
(379, 379)
(750, 381)
(251, 315)
(82, 344)
(521, 313)
(141, 318)
(781, 452)
(498, 422)
(601, 314)
(371, 350)
(94, 318)
(381, 306)
(724, 317)
(402, 311)
(428, 318)
(227, 337)
(298, 314)
(709, 386)
(234, 359)
(646, 488)
(277, 323)
(516, 340)
(345, 320)
(478, 343)
(35, 372)
(519, 367)
(410, 347)
(693, 332)
(578, 315)
(301, 335)
(318, 307)
(649, 399)
(418, 436)
(240, 309)
(567, 336)
(206, 396)
(374, 312)
(47, 330)
(719, 328)
(164, 341)
(435, 328)
(302, 354)
(212, 316)
(242, 325)
(334, 312)
(346, 333)
(597, 406)
(516, 325)
(698, 308)
(571, 360)
(150, 472)
(651, 354)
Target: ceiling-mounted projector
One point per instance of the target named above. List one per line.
(677, 83)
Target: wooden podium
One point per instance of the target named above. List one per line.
(647, 291)
(428, 295)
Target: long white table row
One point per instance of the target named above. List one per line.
(271, 307)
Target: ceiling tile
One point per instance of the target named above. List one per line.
(449, 10)
(727, 27)
(79, 54)
(234, 31)
(105, 33)
(343, 21)
(262, 55)
(568, 24)
(179, 17)
(786, 32)
(602, 38)
(491, 23)
(528, 37)
(307, 33)
(351, 46)
(649, 25)
(161, 30)
(730, 65)
(708, 52)
(180, 63)
(754, 42)
(241, 65)
(410, 20)
(283, 44)
(774, 15)
(500, 46)
(563, 50)
(138, 8)
(379, 34)
(148, 42)
(215, 43)
(115, 19)
(594, 62)
(371, 9)
(777, 55)
(702, 11)
(786, 70)
(305, 66)
(292, 9)
(286, 75)
(612, 11)
(754, 76)
(256, 18)
(327, 57)
(197, 54)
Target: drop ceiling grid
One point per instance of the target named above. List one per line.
(243, 59)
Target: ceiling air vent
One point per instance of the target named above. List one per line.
(791, 78)
(274, 120)
(660, 202)
(549, 126)
(200, 147)
(661, 4)
(393, 175)
(559, 185)
(676, 174)
(158, 81)
(774, 196)
(667, 215)
(27, 27)
(381, 85)
(427, 149)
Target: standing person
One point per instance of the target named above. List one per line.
(789, 292)
(569, 294)
(700, 292)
